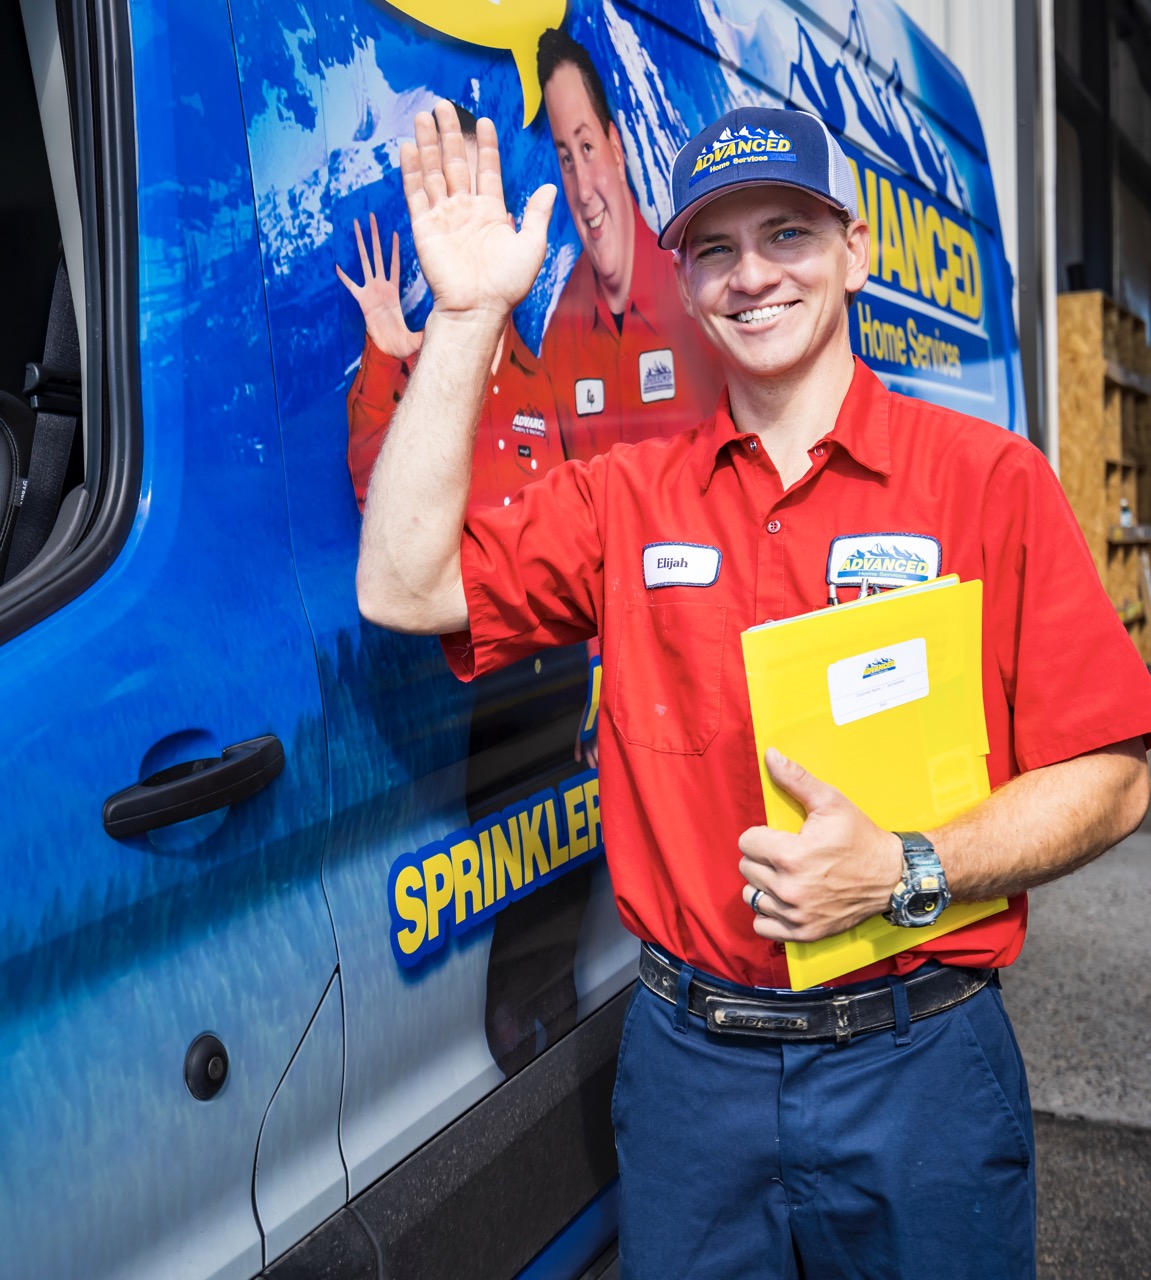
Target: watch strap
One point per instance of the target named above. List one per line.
(918, 852)
(920, 864)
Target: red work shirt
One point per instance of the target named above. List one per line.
(678, 771)
(654, 377)
(517, 439)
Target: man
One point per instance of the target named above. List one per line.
(624, 360)
(880, 1126)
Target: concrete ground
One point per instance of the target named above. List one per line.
(1080, 998)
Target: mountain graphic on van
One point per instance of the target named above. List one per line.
(849, 87)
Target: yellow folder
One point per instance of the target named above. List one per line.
(882, 698)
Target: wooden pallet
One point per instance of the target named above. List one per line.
(1105, 446)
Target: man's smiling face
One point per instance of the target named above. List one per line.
(765, 271)
(594, 181)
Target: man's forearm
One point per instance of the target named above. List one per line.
(479, 268)
(841, 867)
(408, 576)
(1045, 823)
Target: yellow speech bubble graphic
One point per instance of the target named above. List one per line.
(515, 25)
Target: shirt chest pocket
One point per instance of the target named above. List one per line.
(667, 693)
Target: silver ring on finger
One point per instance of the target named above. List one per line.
(754, 903)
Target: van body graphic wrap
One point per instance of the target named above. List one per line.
(419, 906)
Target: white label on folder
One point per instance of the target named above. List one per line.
(877, 681)
(680, 564)
(884, 559)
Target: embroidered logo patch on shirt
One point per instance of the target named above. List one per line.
(884, 559)
(657, 375)
(589, 397)
(680, 564)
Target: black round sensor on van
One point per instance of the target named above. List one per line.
(205, 1067)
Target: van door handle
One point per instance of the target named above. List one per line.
(194, 787)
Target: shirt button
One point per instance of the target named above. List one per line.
(780, 948)
(535, 464)
(773, 526)
(495, 390)
(753, 445)
(500, 443)
(819, 451)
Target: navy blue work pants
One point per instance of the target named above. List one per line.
(901, 1155)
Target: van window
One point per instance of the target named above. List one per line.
(67, 455)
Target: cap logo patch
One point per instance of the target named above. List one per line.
(743, 147)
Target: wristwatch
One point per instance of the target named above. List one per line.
(922, 895)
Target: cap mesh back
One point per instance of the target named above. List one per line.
(840, 182)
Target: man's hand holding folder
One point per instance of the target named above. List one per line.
(836, 872)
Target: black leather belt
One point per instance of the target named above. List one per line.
(835, 1015)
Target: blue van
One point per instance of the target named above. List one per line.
(310, 964)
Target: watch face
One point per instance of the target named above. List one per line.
(919, 905)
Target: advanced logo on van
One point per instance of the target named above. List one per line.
(657, 375)
(530, 422)
(745, 146)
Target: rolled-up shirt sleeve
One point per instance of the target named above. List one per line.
(377, 388)
(532, 570)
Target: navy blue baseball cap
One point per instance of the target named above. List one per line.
(753, 145)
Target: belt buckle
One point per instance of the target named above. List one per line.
(840, 1006)
(732, 1016)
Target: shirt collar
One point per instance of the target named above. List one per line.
(861, 428)
(516, 350)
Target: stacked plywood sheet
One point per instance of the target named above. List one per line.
(1105, 447)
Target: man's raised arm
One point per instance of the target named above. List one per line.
(478, 268)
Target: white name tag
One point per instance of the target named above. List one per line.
(884, 559)
(589, 397)
(657, 375)
(680, 564)
(877, 681)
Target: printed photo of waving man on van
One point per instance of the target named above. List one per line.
(531, 962)
(519, 436)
